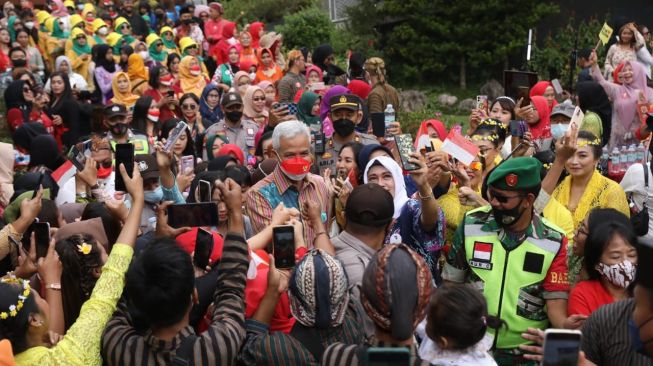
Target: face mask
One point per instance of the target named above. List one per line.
(90, 18)
(638, 345)
(234, 116)
(506, 218)
(29, 25)
(104, 173)
(118, 129)
(103, 31)
(295, 168)
(166, 80)
(343, 126)
(620, 274)
(252, 75)
(186, 21)
(558, 130)
(19, 63)
(153, 115)
(154, 196)
(144, 55)
(195, 70)
(242, 89)
(55, 7)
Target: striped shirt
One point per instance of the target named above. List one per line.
(353, 354)
(303, 346)
(606, 340)
(266, 195)
(219, 345)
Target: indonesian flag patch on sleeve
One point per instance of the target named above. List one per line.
(481, 256)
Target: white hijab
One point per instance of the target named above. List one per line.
(400, 196)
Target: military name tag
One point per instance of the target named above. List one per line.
(482, 265)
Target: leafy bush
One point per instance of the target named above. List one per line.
(310, 27)
(270, 12)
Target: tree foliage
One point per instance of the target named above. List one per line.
(426, 40)
(306, 28)
(267, 11)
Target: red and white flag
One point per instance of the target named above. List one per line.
(482, 251)
(459, 147)
(66, 171)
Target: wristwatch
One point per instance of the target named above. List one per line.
(53, 286)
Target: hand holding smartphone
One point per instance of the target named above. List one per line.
(193, 215)
(561, 347)
(406, 148)
(174, 135)
(125, 156)
(283, 246)
(203, 248)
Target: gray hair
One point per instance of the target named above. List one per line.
(288, 130)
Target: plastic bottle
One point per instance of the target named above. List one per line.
(623, 159)
(641, 153)
(632, 155)
(151, 223)
(390, 117)
(613, 168)
(603, 163)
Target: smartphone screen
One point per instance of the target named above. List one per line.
(193, 214)
(77, 158)
(174, 135)
(515, 129)
(203, 248)
(561, 347)
(205, 191)
(171, 93)
(41, 238)
(482, 102)
(125, 156)
(386, 356)
(523, 93)
(38, 185)
(378, 124)
(557, 87)
(406, 147)
(187, 162)
(319, 143)
(283, 240)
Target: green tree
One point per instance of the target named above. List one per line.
(447, 39)
(306, 28)
(270, 12)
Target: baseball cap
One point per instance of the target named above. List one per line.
(370, 205)
(147, 166)
(113, 110)
(231, 98)
(564, 109)
(344, 101)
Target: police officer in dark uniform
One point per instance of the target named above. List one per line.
(345, 113)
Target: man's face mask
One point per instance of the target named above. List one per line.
(507, 217)
(118, 129)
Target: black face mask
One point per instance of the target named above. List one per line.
(186, 21)
(344, 127)
(19, 63)
(506, 218)
(118, 129)
(234, 116)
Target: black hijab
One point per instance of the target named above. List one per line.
(14, 98)
(356, 63)
(29, 182)
(45, 152)
(592, 97)
(101, 58)
(26, 132)
(320, 55)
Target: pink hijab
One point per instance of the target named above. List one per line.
(625, 102)
(248, 103)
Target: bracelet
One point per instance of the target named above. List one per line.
(425, 198)
(320, 233)
(53, 286)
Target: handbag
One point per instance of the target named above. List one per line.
(640, 219)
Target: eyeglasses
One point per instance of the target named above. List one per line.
(188, 106)
(582, 230)
(125, 26)
(501, 198)
(259, 99)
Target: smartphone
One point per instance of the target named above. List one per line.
(38, 185)
(406, 147)
(203, 248)
(561, 347)
(77, 158)
(388, 356)
(283, 246)
(193, 214)
(317, 86)
(319, 143)
(41, 238)
(205, 191)
(125, 156)
(557, 87)
(517, 128)
(292, 108)
(187, 161)
(174, 135)
(482, 102)
(378, 124)
(523, 93)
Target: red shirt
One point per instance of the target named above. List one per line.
(166, 113)
(588, 296)
(213, 28)
(187, 242)
(557, 278)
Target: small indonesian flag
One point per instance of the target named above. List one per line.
(482, 251)
(459, 147)
(66, 171)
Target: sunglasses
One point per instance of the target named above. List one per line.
(159, 45)
(259, 99)
(188, 106)
(80, 38)
(125, 26)
(191, 47)
(476, 166)
(26, 89)
(501, 198)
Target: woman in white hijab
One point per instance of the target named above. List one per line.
(418, 222)
(77, 81)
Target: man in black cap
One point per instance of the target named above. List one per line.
(369, 213)
(345, 113)
(115, 120)
(237, 130)
(153, 194)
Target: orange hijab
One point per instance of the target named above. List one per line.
(188, 82)
(136, 68)
(127, 99)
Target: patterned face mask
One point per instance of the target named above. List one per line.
(620, 274)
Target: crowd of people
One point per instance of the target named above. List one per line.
(414, 257)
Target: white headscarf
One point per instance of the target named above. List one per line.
(400, 196)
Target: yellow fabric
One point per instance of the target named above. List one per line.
(119, 21)
(454, 211)
(81, 66)
(76, 32)
(186, 42)
(81, 344)
(600, 192)
(127, 99)
(75, 19)
(97, 24)
(166, 48)
(113, 38)
(138, 74)
(49, 24)
(41, 16)
(69, 4)
(165, 29)
(151, 38)
(561, 217)
(88, 8)
(190, 83)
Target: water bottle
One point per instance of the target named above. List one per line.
(623, 159)
(641, 154)
(603, 162)
(613, 168)
(151, 223)
(389, 118)
(632, 155)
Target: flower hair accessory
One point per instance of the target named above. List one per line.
(583, 143)
(85, 248)
(491, 138)
(13, 309)
(493, 122)
(546, 166)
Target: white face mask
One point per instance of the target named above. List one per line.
(145, 55)
(252, 75)
(103, 31)
(620, 274)
(195, 72)
(29, 25)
